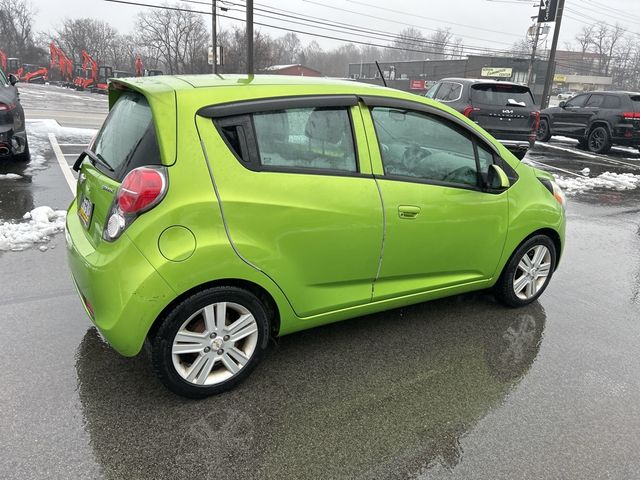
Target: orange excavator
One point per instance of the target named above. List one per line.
(31, 73)
(60, 66)
(88, 75)
(10, 65)
(3, 61)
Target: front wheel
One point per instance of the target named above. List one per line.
(527, 273)
(544, 131)
(210, 342)
(599, 140)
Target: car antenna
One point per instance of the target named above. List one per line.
(380, 72)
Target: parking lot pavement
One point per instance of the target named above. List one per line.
(460, 388)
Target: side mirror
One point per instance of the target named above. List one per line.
(497, 179)
(562, 104)
(13, 79)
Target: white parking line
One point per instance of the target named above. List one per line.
(72, 144)
(66, 169)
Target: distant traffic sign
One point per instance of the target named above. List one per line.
(416, 85)
(547, 11)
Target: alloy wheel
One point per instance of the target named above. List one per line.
(214, 343)
(597, 139)
(532, 272)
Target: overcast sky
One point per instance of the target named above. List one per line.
(485, 23)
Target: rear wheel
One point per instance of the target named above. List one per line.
(210, 342)
(599, 140)
(527, 273)
(544, 132)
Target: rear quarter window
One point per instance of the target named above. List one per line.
(501, 95)
(611, 102)
(128, 138)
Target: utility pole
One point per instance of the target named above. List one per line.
(536, 39)
(552, 56)
(214, 35)
(249, 37)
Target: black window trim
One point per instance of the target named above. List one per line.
(244, 118)
(401, 104)
(244, 107)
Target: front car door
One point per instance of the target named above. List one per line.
(294, 179)
(442, 229)
(571, 119)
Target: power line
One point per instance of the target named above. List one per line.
(408, 40)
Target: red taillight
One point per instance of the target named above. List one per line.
(469, 110)
(140, 189)
(7, 106)
(631, 115)
(536, 116)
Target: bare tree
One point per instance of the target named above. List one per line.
(176, 38)
(16, 29)
(94, 36)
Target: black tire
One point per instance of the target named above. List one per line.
(162, 341)
(583, 143)
(504, 288)
(24, 156)
(544, 131)
(599, 140)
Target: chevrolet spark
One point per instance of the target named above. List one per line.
(213, 213)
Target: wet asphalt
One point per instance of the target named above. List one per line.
(460, 388)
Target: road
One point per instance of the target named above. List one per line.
(460, 388)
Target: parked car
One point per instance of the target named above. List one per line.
(13, 136)
(213, 213)
(566, 95)
(506, 110)
(597, 120)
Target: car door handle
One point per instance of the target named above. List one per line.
(408, 211)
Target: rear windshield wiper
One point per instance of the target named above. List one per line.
(94, 157)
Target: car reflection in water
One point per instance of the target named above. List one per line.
(392, 392)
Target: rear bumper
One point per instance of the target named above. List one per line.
(516, 145)
(120, 290)
(12, 143)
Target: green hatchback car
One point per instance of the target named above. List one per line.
(213, 213)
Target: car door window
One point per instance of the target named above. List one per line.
(444, 91)
(421, 146)
(451, 94)
(431, 93)
(577, 102)
(310, 138)
(595, 101)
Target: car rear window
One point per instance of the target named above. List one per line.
(501, 95)
(128, 139)
(636, 99)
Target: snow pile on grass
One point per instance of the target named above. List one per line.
(607, 180)
(10, 176)
(40, 224)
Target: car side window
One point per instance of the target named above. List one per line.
(445, 90)
(422, 146)
(454, 93)
(432, 91)
(311, 138)
(578, 101)
(611, 101)
(595, 100)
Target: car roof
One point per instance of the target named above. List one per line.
(612, 92)
(481, 80)
(189, 82)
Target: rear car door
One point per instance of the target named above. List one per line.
(294, 179)
(504, 110)
(441, 228)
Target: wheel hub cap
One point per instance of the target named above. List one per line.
(532, 272)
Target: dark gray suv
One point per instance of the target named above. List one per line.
(597, 120)
(506, 110)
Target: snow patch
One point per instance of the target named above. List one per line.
(585, 171)
(40, 224)
(607, 180)
(38, 133)
(10, 176)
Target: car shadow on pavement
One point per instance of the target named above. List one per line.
(382, 396)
